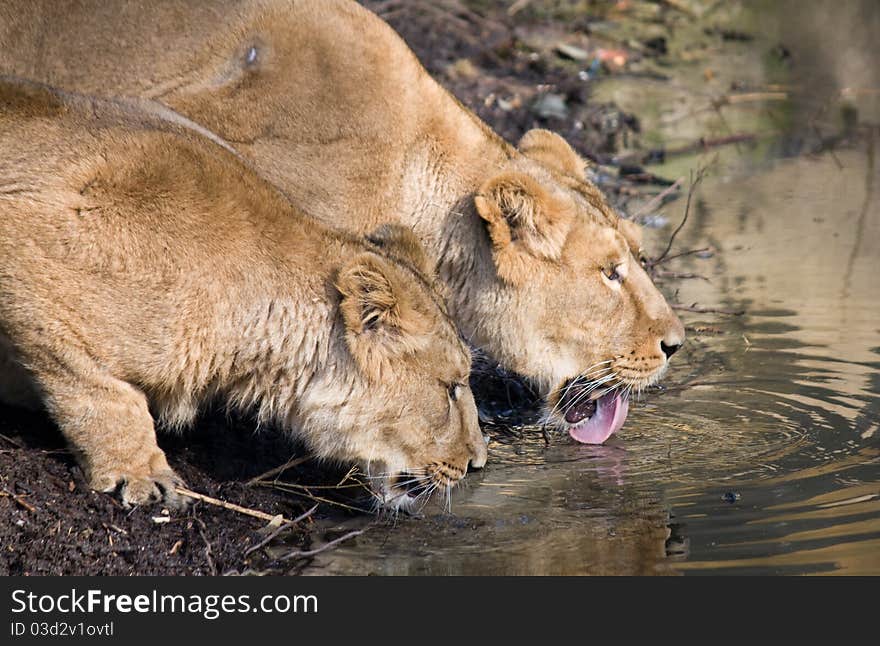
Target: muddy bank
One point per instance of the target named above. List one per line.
(51, 523)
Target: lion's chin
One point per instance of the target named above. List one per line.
(403, 492)
(593, 421)
(395, 501)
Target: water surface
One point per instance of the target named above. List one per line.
(762, 452)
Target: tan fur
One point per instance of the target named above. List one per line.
(328, 103)
(143, 267)
(525, 223)
(553, 152)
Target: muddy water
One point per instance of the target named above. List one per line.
(762, 453)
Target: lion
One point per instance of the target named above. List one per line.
(145, 270)
(328, 103)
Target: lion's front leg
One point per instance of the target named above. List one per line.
(108, 423)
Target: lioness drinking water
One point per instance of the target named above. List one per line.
(143, 267)
(326, 100)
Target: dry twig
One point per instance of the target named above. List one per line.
(679, 6)
(19, 500)
(201, 525)
(695, 181)
(228, 505)
(301, 554)
(657, 201)
(680, 276)
(280, 529)
(752, 97)
(704, 143)
(14, 443)
(302, 490)
(690, 252)
(277, 471)
(706, 310)
(517, 6)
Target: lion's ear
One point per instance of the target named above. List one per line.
(552, 151)
(382, 317)
(399, 241)
(525, 222)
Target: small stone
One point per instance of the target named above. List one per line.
(551, 105)
(463, 68)
(572, 52)
(654, 221)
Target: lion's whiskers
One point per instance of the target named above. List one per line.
(585, 373)
(593, 371)
(594, 378)
(586, 392)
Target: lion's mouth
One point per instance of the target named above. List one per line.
(409, 491)
(398, 492)
(409, 484)
(592, 419)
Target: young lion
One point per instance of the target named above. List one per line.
(327, 101)
(143, 267)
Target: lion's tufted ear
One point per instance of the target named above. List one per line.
(525, 222)
(383, 319)
(552, 151)
(400, 242)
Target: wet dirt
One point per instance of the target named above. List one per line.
(52, 523)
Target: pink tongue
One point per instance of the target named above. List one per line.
(610, 415)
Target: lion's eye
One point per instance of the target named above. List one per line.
(611, 274)
(454, 390)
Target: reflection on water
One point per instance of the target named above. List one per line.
(804, 363)
(762, 455)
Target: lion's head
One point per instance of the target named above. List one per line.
(584, 321)
(405, 413)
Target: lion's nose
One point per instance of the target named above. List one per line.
(479, 459)
(673, 338)
(479, 454)
(669, 350)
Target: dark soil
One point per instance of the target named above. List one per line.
(51, 523)
(480, 53)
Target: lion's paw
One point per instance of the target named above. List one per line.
(141, 487)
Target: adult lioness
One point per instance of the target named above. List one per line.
(142, 265)
(326, 101)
